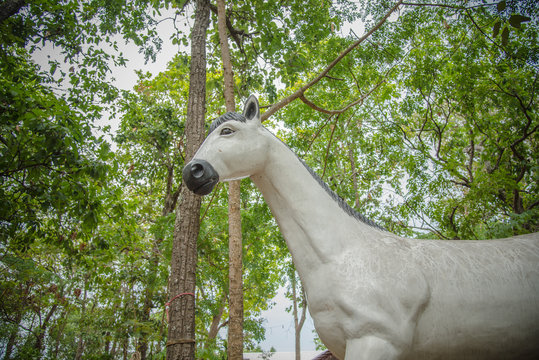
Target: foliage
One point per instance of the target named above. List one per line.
(64, 227)
(52, 168)
(464, 107)
(270, 40)
(450, 112)
(429, 127)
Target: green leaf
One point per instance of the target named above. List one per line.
(505, 36)
(501, 6)
(52, 70)
(496, 28)
(516, 20)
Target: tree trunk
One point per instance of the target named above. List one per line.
(13, 336)
(298, 321)
(235, 323)
(9, 8)
(216, 320)
(43, 329)
(107, 343)
(168, 207)
(181, 329)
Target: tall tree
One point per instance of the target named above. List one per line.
(235, 323)
(299, 306)
(149, 141)
(182, 281)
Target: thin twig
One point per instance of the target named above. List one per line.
(214, 193)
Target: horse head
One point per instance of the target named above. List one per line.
(232, 150)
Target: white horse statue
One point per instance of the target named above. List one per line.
(372, 294)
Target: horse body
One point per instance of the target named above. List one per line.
(484, 299)
(372, 294)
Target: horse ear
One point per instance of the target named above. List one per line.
(251, 109)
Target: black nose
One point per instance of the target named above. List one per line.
(200, 177)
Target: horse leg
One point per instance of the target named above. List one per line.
(370, 348)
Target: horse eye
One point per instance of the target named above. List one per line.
(227, 131)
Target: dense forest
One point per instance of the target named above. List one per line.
(421, 115)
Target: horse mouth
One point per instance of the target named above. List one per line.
(206, 187)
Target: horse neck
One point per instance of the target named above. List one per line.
(313, 224)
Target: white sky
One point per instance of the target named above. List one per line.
(280, 327)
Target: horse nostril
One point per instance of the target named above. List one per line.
(197, 170)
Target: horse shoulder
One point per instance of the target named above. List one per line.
(373, 290)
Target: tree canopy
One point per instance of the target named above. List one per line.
(428, 125)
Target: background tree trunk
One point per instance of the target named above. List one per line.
(43, 329)
(235, 300)
(235, 324)
(216, 325)
(13, 336)
(80, 342)
(153, 262)
(181, 329)
(298, 302)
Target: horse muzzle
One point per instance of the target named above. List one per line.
(200, 177)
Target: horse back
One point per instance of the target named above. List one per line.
(484, 298)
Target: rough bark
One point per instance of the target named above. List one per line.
(235, 324)
(181, 329)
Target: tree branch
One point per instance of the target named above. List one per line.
(234, 33)
(420, 216)
(471, 156)
(434, 5)
(452, 219)
(485, 35)
(455, 7)
(340, 111)
(215, 192)
(287, 100)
